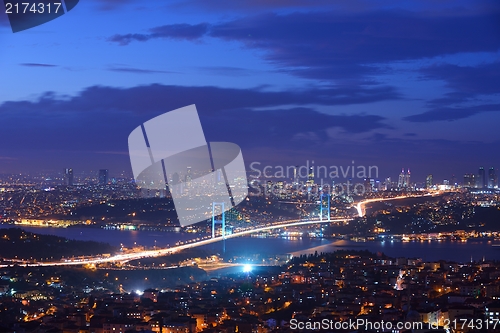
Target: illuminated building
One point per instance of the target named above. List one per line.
(469, 180)
(404, 180)
(401, 179)
(481, 178)
(388, 184)
(295, 176)
(492, 178)
(310, 178)
(189, 176)
(453, 181)
(68, 177)
(367, 184)
(428, 181)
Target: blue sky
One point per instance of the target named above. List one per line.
(414, 85)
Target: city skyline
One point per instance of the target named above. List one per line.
(290, 175)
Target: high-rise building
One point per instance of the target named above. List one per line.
(368, 185)
(68, 177)
(469, 180)
(310, 177)
(103, 176)
(388, 184)
(453, 181)
(407, 179)
(401, 179)
(492, 178)
(404, 180)
(428, 181)
(295, 175)
(481, 178)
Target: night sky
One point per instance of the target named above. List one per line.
(412, 84)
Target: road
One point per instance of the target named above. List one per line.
(360, 207)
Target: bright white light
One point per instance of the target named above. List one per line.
(138, 292)
(247, 268)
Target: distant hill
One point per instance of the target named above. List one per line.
(20, 244)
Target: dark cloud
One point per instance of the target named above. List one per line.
(172, 31)
(31, 64)
(466, 81)
(329, 46)
(318, 40)
(280, 127)
(157, 98)
(469, 84)
(84, 121)
(139, 70)
(450, 114)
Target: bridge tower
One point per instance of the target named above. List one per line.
(222, 220)
(323, 208)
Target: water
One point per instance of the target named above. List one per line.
(429, 251)
(114, 237)
(434, 250)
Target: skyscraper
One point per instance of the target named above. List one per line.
(481, 178)
(453, 181)
(404, 180)
(189, 177)
(492, 178)
(388, 184)
(367, 183)
(310, 177)
(295, 176)
(428, 181)
(401, 179)
(103, 176)
(68, 177)
(407, 179)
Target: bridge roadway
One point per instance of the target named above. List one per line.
(360, 207)
(162, 252)
(165, 251)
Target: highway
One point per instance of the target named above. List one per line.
(165, 251)
(360, 206)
